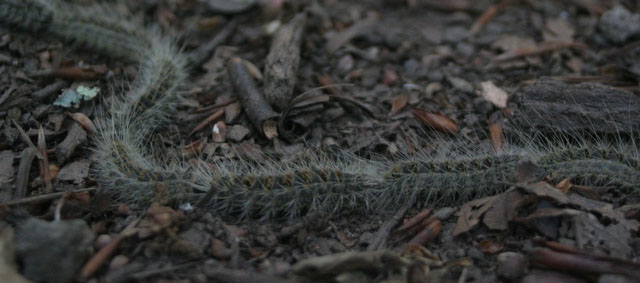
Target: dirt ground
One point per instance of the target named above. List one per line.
(380, 78)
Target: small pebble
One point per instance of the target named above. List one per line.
(511, 265)
(237, 133)
(118, 262)
(102, 241)
(444, 213)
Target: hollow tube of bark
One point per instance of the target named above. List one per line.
(252, 100)
(282, 62)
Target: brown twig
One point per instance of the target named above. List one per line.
(214, 116)
(217, 105)
(7, 94)
(49, 89)
(75, 137)
(579, 263)
(22, 178)
(45, 173)
(26, 139)
(355, 102)
(73, 73)
(203, 52)
(413, 221)
(384, 231)
(489, 14)
(44, 197)
(105, 252)
(537, 50)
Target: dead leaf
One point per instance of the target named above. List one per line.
(253, 70)
(494, 94)
(491, 247)
(413, 221)
(544, 190)
(558, 29)
(76, 171)
(84, 121)
(79, 73)
(511, 42)
(496, 137)
(193, 148)
(436, 121)
(494, 211)
(399, 103)
(470, 213)
(219, 249)
(564, 185)
(428, 234)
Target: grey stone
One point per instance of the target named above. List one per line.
(618, 24)
(53, 251)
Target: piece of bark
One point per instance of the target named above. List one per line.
(49, 89)
(253, 102)
(380, 239)
(43, 162)
(280, 71)
(75, 137)
(552, 106)
(22, 179)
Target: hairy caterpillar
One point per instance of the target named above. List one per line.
(314, 182)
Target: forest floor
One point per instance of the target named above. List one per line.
(386, 75)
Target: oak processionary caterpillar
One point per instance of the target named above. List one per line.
(270, 189)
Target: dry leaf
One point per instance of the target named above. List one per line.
(436, 121)
(491, 247)
(80, 73)
(494, 211)
(428, 234)
(497, 137)
(84, 121)
(564, 185)
(558, 29)
(494, 94)
(512, 42)
(399, 103)
(253, 70)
